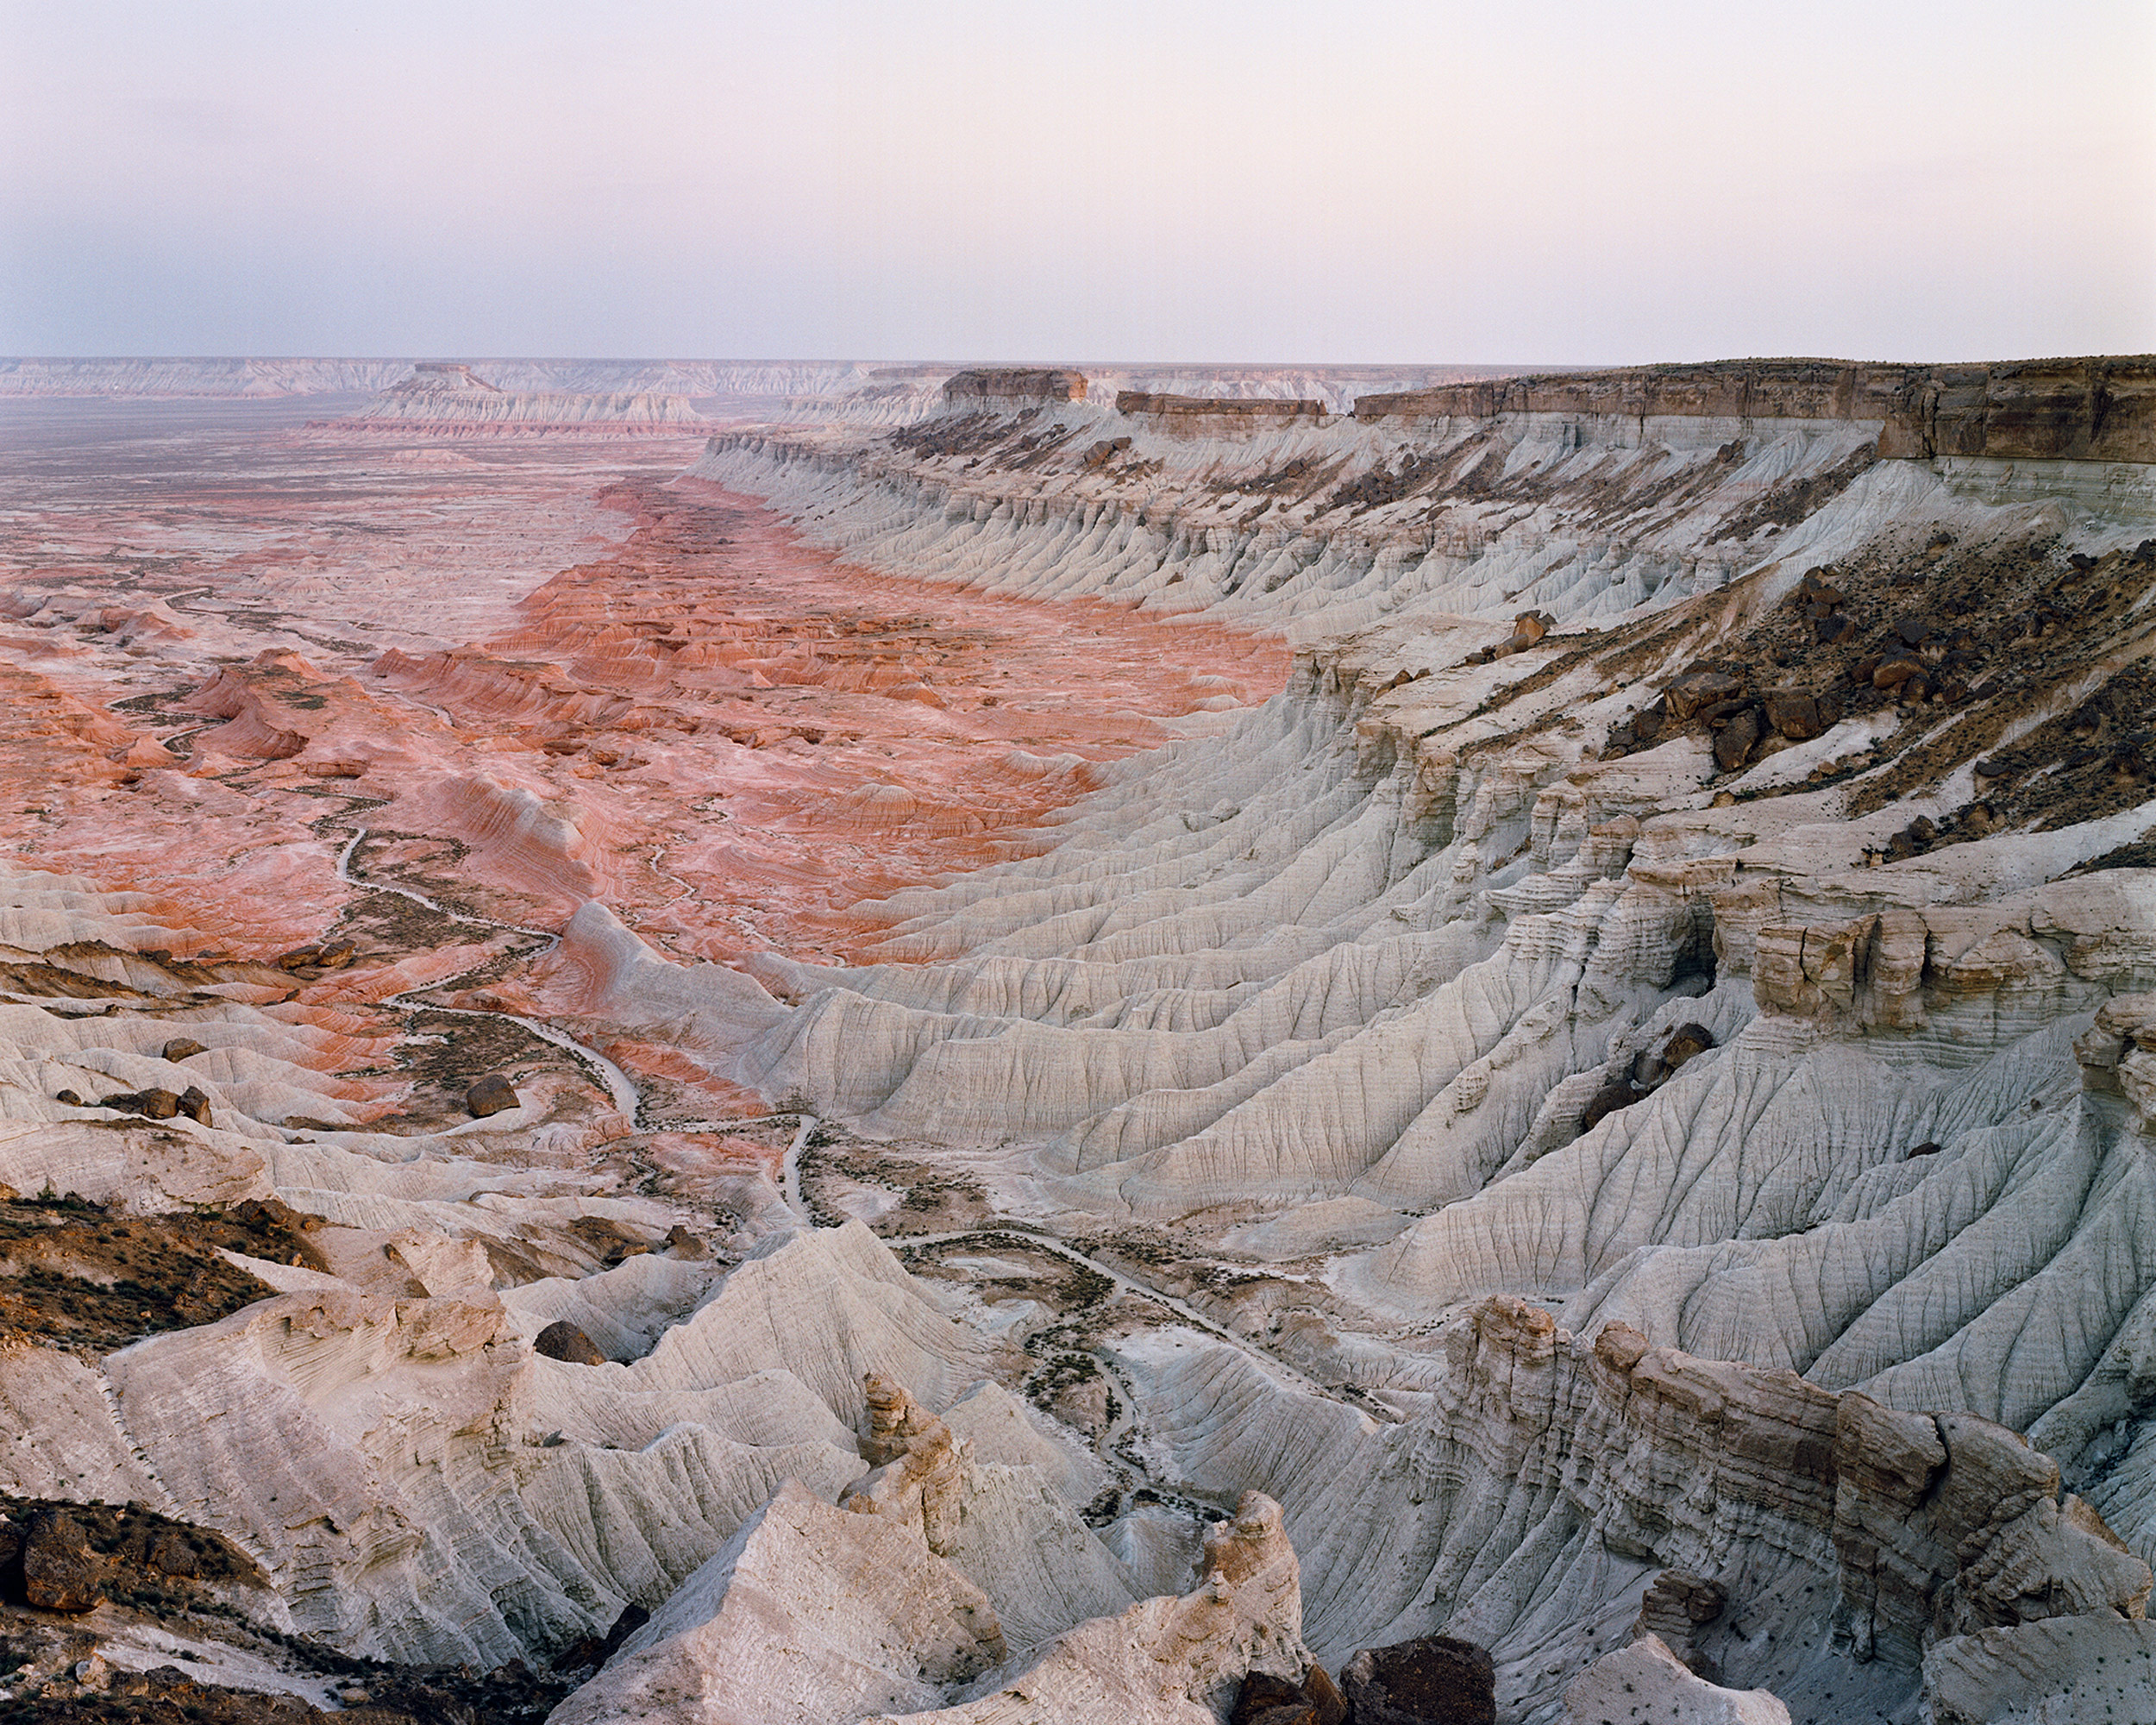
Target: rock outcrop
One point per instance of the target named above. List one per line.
(2094, 410)
(808, 1614)
(1608, 1113)
(1009, 388)
(1646, 1681)
(1193, 416)
(1165, 1661)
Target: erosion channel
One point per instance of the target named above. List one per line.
(1020, 1046)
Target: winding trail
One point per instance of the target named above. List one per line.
(1267, 1361)
(628, 1100)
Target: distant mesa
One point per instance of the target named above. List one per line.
(2094, 410)
(1200, 414)
(447, 397)
(1011, 387)
(431, 377)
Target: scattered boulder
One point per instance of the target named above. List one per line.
(59, 1572)
(1265, 1699)
(70, 1097)
(1685, 1041)
(143, 1104)
(1605, 1102)
(1675, 1607)
(1529, 627)
(1432, 1680)
(183, 1048)
(1268, 1699)
(1733, 742)
(679, 1239)
(1818, 595)
(1794, 715)
(194, 1105)
(1927, 1148)
(1332, 1707)
(563, 1341)
(330, 957)
(1698, 690)
(492, 1095)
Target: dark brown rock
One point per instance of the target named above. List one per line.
(1433, 1680)
(1700, 689)
(1265, 1699)
(492, 1095)
(1733, 743)
(1830, 629)
(194, 1105)
(592, 1651)
(1892, 673)
(1815, 591)
(1332, 1708)
(679, 1239)
(59, 1570)
(1794, 715)
(1605, 1102)
(1685, 1041)
(563, 1341)
(1923, 1149)
(160, 1104)
(184, 1048)
(70, 1097)
(1647, 723)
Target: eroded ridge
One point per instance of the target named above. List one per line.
(1597, 1140)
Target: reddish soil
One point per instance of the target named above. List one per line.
(536, 672)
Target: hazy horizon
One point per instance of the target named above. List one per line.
(1254, 184)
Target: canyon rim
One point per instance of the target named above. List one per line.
(827, 1042)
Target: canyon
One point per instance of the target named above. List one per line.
(732, 1042)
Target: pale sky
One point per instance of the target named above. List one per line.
(1131, 179)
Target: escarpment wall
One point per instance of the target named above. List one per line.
(1544, 1475)
(1195, 416)
(1014, 387)
(2095, 410)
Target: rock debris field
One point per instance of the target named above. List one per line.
(727, 1044)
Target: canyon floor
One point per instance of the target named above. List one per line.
(1144, 1040)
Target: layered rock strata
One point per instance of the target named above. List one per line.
(1606, 1122)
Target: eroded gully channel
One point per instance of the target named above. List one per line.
(1112, 1445)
